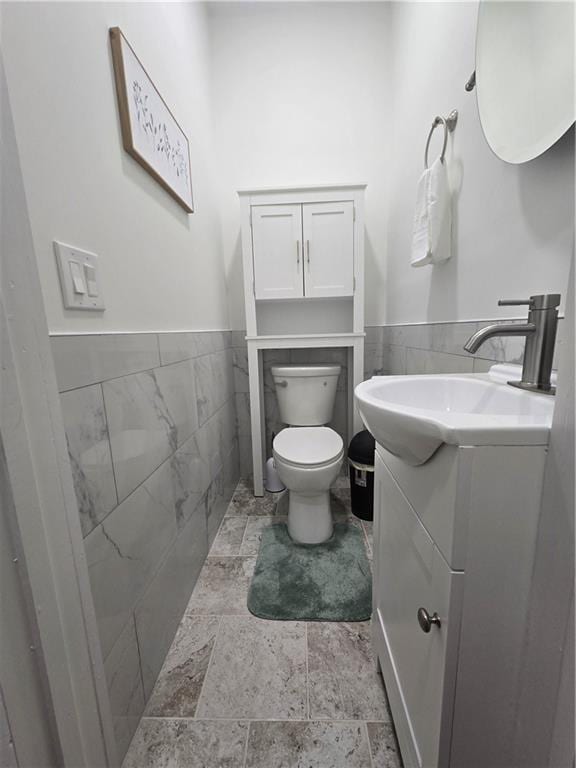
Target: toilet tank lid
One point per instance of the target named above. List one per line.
(305, 370)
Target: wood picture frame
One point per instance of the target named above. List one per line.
(150, 132)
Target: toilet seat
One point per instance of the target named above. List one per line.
(308, 446)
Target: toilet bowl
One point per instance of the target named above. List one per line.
(308, 455)
(308, 460)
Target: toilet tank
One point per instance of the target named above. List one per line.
(306, 393)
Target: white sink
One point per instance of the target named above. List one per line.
(412, 416)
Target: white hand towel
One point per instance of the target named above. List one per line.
(433, 217)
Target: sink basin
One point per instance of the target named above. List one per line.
(412, 416)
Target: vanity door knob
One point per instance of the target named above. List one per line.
(426, 621)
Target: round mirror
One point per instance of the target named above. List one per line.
(525, 75)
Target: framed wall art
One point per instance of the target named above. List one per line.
(150, 132)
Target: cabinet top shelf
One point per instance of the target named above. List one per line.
(300, 188)
(305, 336)
(317, 340)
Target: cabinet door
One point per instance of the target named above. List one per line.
(420, 667)
(329, 249)
(277, 251)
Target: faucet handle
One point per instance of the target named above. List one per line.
(540, 301)
(515, 302)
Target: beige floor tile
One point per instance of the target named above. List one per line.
(257, 671)
(383, 746)
(222, 587)
(229, 537)
(180, 681)
(167, 743)
(344, 682)
(307, 745)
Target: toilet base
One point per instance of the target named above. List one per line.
(309, 517)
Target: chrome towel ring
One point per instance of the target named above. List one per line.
(449, 124)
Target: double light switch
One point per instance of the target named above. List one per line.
(79, 278)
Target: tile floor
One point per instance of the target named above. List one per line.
(241, 692)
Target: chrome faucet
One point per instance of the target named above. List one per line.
(540, 332)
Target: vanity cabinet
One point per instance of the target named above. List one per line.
(455, 537)
(303, 250)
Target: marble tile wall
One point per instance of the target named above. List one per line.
(153, 442)
(438, 348)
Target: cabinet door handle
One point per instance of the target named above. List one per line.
(297, 251)
(426, 621)
(308, 251)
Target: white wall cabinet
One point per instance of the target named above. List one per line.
(304, 250)
(328, 232)
(303, 259)
(456, 536)
(277, 251)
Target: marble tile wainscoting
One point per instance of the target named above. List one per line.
(438, 348)
(153, 442)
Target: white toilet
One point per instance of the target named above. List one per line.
(308, 455)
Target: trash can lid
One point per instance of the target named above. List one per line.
(362, 448)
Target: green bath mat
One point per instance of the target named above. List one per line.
(319, 582)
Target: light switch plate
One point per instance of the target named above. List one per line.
(72, 300)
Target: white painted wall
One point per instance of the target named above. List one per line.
(514, 224)
(300, 93)
(161, 269)
(301, 97)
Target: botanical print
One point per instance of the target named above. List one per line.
(158, 132)
(150, 131)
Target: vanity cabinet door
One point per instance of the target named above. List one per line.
(419, 667)
(277, 251)
(329, 249)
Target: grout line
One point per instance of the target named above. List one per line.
(109, 442)
(246, 744)
(307, 674)
(158, 347)
(243, 535)
(264, 720)
(58, 334)
(368, 744)
(216, 635)
(146, 699)
(219, 616)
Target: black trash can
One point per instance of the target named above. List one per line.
(361, 467)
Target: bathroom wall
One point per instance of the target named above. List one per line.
(322, 92)
(514, 224)
(301, 96)
(147, 396)
(151, 428)
(161, 268)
